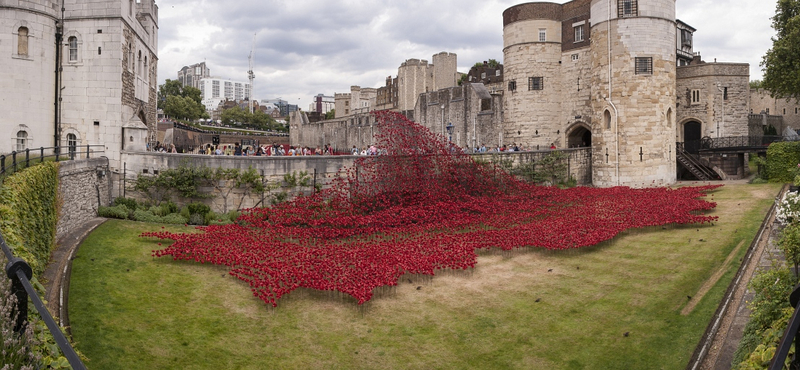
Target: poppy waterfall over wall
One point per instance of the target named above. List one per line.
(419, 206)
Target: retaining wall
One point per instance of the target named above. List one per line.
(83, 185)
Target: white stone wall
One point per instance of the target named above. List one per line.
(28, 80)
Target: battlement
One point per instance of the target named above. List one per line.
(414, 63)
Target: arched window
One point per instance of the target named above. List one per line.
(669, 117)
(72, 143)
(73, 49)
(22, 41)
(146, 71)
(22, 140)
(607, 119)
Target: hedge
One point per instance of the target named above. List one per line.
(782, 160)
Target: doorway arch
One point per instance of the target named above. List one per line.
(579, 136)
(692, 133)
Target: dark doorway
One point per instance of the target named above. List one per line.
(580, 137)
(692, 132)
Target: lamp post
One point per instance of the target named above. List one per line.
(450, 131)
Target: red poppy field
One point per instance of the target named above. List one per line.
(422, 208)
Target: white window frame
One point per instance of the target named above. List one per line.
(578, 33)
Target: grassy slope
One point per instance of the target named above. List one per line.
(131, 311)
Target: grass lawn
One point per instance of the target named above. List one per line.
(528, 309)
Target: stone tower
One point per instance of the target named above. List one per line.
(445, 74)
(633, 92)
(532, 62)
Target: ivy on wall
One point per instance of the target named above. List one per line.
(29, 213)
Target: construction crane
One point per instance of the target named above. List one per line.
(251, 75)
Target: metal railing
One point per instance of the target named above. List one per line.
(10, 163)
(732, 142)
(20, 274)
(789, 336)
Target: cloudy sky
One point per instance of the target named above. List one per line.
(307, 47)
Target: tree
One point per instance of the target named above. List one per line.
(756, 84)
(781, 70)
(181, 101)
(331, 114)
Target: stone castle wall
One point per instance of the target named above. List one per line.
(633, 134)
(713, 110)
(789, 108)
(83, 186)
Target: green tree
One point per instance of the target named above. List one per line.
(755, 84)
(180, 101)
(331, 114)
(781, 69)
(235, 114)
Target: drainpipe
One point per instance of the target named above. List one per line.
(57, 111)
(610, 81)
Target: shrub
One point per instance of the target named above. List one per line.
(120, 211)
(789, 208)
(127, 202)
(782, 160)
(196, 219)
(174, 218)
(145, 216)
(199, 208)
(769, 308)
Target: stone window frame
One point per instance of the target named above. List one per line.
(643, 65)
(627, 8)
(695, 94)
(575, 57)
(29, 37)
(512, 85)
(535, 83)
(543, 35)
(77, 47)
(21, 140)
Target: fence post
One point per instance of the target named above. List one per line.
(27, 157)
(41, 154)
(2, 164)
(14, 161)
(87, 151)
(315, 179)
(21, 311)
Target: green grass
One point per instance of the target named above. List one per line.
(130, 311)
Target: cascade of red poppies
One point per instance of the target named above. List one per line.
(420, 206)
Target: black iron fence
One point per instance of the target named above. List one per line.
(732, 142)
(789, 336)
(10, 163)
(20, 274)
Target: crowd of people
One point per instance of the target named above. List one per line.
(288, 150)
(265, 150)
